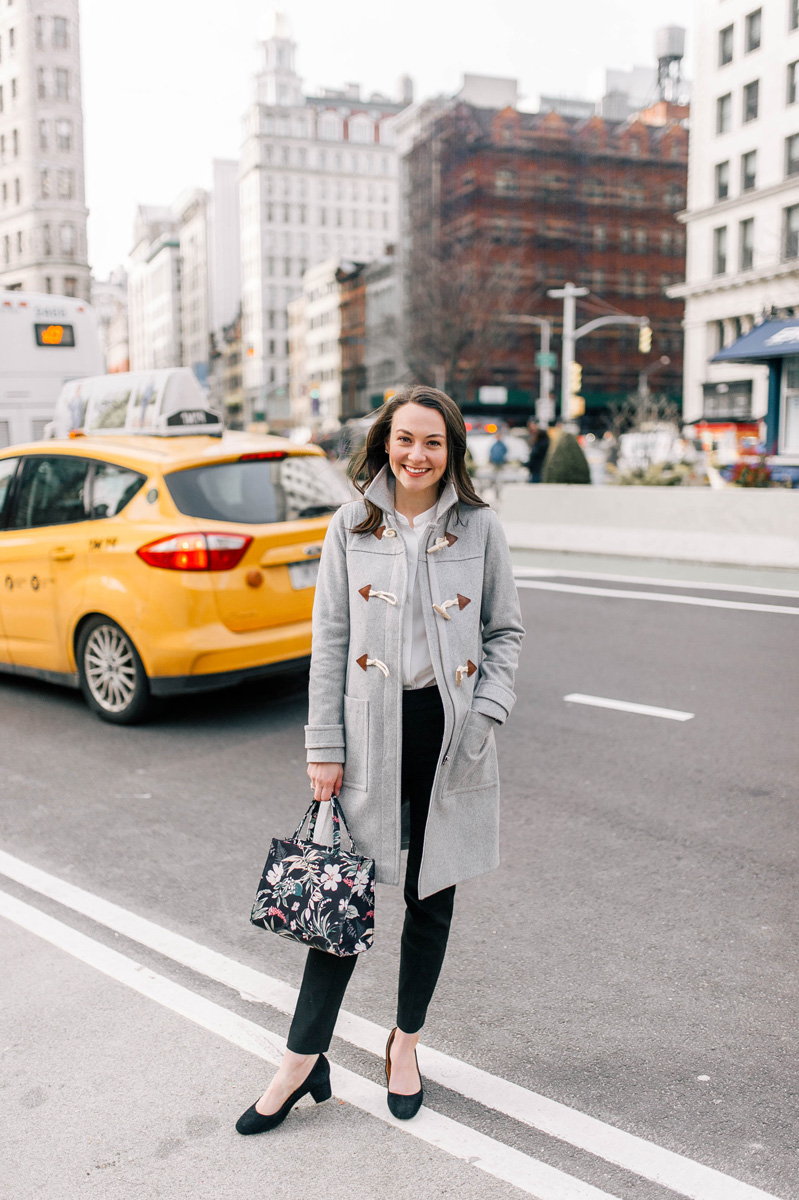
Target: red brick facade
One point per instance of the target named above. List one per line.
(545, 199)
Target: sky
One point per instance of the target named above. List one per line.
(167, 82)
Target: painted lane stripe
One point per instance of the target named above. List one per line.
(503, 1162)
(620, 594)
(652, 581)
(647, 710)
(626, 1150)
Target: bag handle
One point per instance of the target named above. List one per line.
(337, 814)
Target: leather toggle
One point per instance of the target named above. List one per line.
(381, 529)
(468, 670)
(368, 592)
(461, 602)
(443, 543)
(364, 661)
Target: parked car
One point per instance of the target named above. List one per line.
(513, 470)
(137, 566)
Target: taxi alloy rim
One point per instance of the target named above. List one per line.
(110, 668)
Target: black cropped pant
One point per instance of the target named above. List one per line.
(427, 922)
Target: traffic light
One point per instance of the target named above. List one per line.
(645, 339)
(575, 378)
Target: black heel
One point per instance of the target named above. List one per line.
(317, 1084)
(402, 1107)
(322, 1092)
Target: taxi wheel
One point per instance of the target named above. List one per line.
(112, 677)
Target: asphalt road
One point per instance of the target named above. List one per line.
(634, 958)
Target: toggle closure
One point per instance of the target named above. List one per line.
(364, 662)
(468, 670)
(460, 600)
(368, 592)
(443, 543)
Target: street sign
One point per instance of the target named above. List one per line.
(547, 361)
(492, 395)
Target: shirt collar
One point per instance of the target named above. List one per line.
(423, 519)
(381, 492)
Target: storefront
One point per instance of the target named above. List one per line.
(775, 344)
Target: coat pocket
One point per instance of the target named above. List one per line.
(356, 735)
(474, 764)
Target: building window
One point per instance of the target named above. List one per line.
(724, 113)
(330, 128)
(7, 248)
(13, 89)
(62, 83)
(793, 15)
(746, 244)
(1, 98)
(725, 45)
(63, 134)
(600, 237)
(748, 170)
(361, 129)
(722, 180)
(752, 31)
(720, 250)
(42, 135)
(751, 100)
(665, 241)
(505, 183)
(19, 244)
(640, 241)
(41, 83)
(792, 154)
(45, 186)
(12, 42)
(5, 194)
(790, 91)
(70, 285)
(15, 143)
(39, 33)
(60, 33)
(674, 197)
(17, 192)
(47, 243)
(65, 185)
(790, 232)
(624, 239)
(598, 282)
(2, 147)
(624, 284)
(640, 283)
(68, 241)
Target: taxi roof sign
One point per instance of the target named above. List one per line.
(165, 403)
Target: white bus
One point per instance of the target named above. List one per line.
(44, 342)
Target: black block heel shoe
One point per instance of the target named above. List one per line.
(402, 1107)
(317, 1083)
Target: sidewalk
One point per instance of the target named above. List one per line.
(749, 528)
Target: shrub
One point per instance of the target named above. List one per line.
(565, 462)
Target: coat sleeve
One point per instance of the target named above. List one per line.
(330, 642)
(502, 627)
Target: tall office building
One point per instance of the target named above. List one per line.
(318, 182)
(42, 195)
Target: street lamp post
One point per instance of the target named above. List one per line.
(545, 381)
(569, 294)
(643, 376)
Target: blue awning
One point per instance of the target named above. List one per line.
(772, 339)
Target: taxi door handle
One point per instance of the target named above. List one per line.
(62, 554)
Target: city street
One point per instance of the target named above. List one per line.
(617, 1013)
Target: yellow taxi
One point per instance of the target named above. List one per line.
(137, 566)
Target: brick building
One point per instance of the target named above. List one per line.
(500, 205)
(352, 303)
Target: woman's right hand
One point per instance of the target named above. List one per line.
(326, 779)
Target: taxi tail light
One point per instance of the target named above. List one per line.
(261, 454)
(196, 551)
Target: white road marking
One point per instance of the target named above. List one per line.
(535, 1178)
(692, 584)
(648, 710)
(621, 594)
(635, 1154)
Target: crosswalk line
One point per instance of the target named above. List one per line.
(635, 1154)
(529, 1175)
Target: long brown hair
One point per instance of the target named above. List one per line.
(370, 460)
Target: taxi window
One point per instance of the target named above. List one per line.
(112, 488)
(8, 468)
(51, 492)
(260, 492)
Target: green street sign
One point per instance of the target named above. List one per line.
(546, 360)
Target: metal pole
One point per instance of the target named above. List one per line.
(545, 386)
(569, 295)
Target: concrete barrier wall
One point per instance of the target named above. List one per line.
(744, 526)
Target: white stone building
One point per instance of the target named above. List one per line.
(191, 210)
(322, 318)
(110, 302)
(42, 198)
(154, 291)
(742, 217)
(318, 183)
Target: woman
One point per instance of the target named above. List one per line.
(416, 636)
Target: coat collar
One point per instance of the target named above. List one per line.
(381, 492)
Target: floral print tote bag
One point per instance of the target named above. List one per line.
(318, 895)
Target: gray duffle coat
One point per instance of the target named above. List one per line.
(474, 631)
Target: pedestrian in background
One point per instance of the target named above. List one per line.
(539, 445)
(497, 456)
(417, 571)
